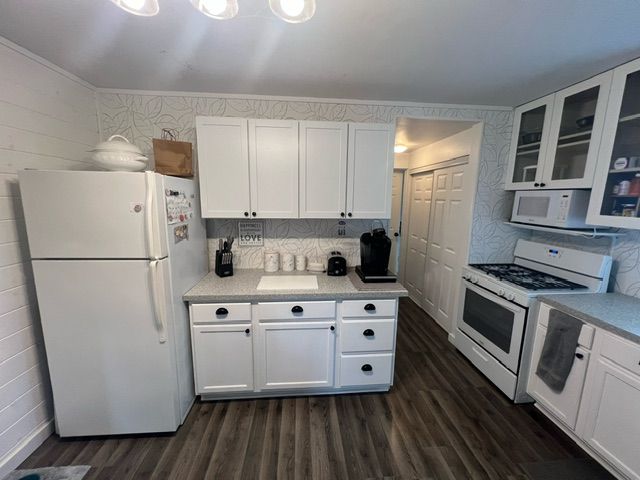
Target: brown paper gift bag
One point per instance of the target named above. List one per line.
(171, 156)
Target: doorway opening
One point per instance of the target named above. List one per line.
(438, 176)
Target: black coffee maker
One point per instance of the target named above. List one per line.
(375, 249)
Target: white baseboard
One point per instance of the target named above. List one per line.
(26, 447)
(452, 338)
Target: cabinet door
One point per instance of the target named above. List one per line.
(563, 405)
(273, 155)
(223, 165)
(616, 189)
(369, 170)
(529, 144)
(223, 358)
(297, 355)
(576, 130)
(613, 417)
(323, 169)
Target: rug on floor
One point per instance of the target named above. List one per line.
(75, 472)
(569, 469)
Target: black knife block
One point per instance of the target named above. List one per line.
(224, 264)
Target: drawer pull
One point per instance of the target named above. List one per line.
(368, 333)
(370, 307)
(579, 356)
(367, 368)
(247, 331)
(222, 312)
(297, 309)
(332, 328)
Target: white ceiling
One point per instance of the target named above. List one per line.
(495, 52)
(416, 133)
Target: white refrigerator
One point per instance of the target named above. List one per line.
(112, 255)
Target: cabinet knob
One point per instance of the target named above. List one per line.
(332, 328)
(536, 184)
(349, 214)
(222, 312)
(579, 356)
(253, 214)
(366, 367)
(246, 214)
(297, 309)
(247, 331)
(368, 333)
(543, 184)
(370, 307)
(396, 234)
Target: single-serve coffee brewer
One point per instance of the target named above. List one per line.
(375, 249)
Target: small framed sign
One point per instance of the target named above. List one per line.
(250, 234)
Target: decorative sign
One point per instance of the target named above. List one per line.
(250, 234)
(179, 208)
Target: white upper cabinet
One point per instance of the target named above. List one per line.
(223, 165)
(370, 170)
(291, 169)
(323, 169)
(273, 160)
(556, 138)
(616, 189)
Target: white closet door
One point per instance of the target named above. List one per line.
(369, 170)
(447, 236)
(223, 165)
(419, 215)
(273, 156)
(323, 169)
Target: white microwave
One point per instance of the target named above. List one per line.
(551, 208)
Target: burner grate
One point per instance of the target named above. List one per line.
(526, 277)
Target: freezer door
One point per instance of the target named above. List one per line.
(93, 214)
(110, 371)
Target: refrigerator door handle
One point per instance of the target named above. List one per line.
(149, 213)
(157, 299)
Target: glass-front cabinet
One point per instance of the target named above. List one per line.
(558, 137)
(615, 199)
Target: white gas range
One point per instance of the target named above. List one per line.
(497, 300)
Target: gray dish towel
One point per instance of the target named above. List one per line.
(559, 349)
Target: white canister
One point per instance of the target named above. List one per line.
(301, 263)
(288, 262)
(271, 261)
(624, 187)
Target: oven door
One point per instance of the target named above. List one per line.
(493, 322)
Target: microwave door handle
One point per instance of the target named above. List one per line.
(157, 301)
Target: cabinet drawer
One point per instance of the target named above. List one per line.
(220, 312)
(296, 310)
(586, 334)
(624, 353)
(367, 335)
(369, 308)
(366, 369)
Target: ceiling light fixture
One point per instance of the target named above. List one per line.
(293, 11)
(400, 148)
(145, 8)
(219, 9)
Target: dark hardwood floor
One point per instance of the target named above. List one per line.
(441, 419)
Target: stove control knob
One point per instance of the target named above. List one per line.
(475, 279)
(501, 292)
(466, 276)
(511, 296)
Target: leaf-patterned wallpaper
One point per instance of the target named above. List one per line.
(140, 117)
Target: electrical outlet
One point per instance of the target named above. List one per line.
(342, 228)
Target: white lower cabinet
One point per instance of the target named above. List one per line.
(287, 348)
(296, 355)
(600, 404)
(223, 358)
(612, 417)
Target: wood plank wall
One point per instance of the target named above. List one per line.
(48, 119)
